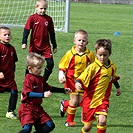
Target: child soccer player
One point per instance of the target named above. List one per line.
(70, 67)
(42, 28)
(96, 81)
(34, 90)
(8, 58)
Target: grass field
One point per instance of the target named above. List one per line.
(101, 21)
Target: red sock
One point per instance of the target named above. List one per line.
(71, 113)
(66, 103)
(101, 129)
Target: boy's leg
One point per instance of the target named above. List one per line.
(26, 129)
(63, 107)
(12, 105)
(71, 111)
(101, 127)
(49, 68)
(46, 127)
(70, 116)
(13, 100)
(86, 128)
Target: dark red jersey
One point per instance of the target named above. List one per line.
(8, 57)
(40, 26)
(34, 83)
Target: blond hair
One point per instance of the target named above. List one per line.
(34, 59)
(82, 32)
(40, 1)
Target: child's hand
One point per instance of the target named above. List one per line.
(118, 92)
(68, 90)
(78, 86)
(62, 80)
(1, 75)
(55, 50)
(24, 46)
(47, 94)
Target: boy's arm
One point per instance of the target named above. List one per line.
(60, 90)
(39, 95)
(116, 84)
(53, 40)
(25, 36)
(118, 90)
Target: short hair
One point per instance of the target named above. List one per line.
(83, 32)
(34, 59)
(4, 27)
(39, 1)
(105, 43)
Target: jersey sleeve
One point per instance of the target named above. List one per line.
(86, 76)
(64, 62)
(29, 23)
(115, 76)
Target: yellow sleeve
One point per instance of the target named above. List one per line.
(87, 75)
(64, 62)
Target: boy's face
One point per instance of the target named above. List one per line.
(103, 55)
(36, 70)
(41, 8)
(80, 41)
(5, 36)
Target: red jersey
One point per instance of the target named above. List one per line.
(8, 57)
(33, 83)
(41, 26)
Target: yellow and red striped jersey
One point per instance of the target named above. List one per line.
(97, 83)
(73, 64)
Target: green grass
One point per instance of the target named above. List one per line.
(101, 21)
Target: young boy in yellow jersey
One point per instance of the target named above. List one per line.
(96, 81)
(71, 66)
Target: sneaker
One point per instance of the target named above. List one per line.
(62, 112)
(11, 115)
(70, 124)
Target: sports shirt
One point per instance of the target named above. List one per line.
(36, 84)
(73, 64)
(97, 83)
(8, 57)
(41, 26)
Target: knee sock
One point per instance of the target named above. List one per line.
(47, 74)
(13, 100)
(71, 113)
(26, 129)
(101, 129)
(66, 104)
(82, 131)
(46, 128)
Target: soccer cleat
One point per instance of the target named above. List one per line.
(62, 112)
(11, 115)
(70, 124)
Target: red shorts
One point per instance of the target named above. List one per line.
(46, 53)
(88, 114)
(32, 114)
(3, 89)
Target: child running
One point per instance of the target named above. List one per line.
(70, 67)
(34, 90)
(96, 81)
(8, 58)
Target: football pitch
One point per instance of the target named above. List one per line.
(100, 21)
